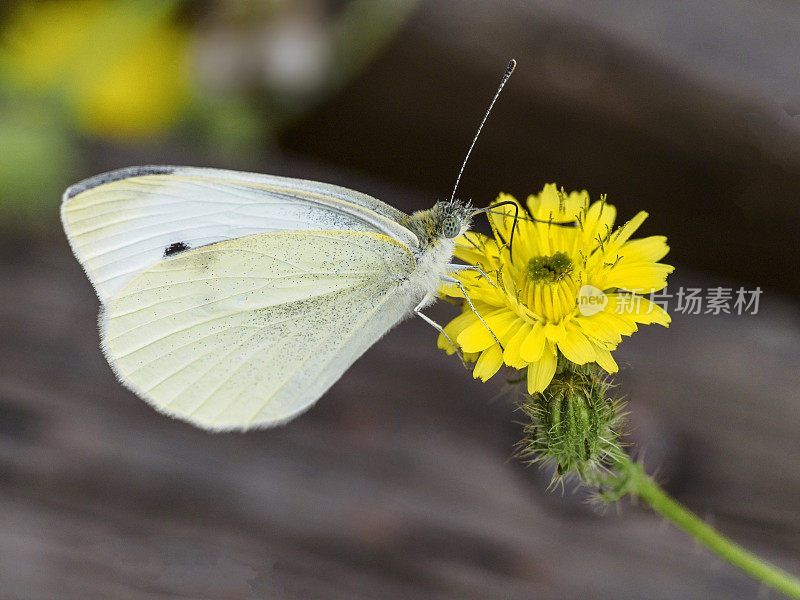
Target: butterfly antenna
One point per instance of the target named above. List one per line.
(509, 70)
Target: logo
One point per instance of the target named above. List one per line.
(591, 300)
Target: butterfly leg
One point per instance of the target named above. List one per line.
(454, 268)
(437, 327)
(453, 280)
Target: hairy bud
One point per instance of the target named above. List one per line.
(574, 424)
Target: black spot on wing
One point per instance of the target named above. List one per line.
(112, 176)
(174, 248)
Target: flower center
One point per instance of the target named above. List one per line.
(549, 269)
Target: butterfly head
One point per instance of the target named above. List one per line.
(445, 221)
(451, 219)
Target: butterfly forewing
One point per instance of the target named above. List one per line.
(123, 222)
(250, 332)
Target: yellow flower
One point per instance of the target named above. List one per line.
(144, 93)
(120, 67)
(568, 283)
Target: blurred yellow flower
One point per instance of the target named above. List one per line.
(120, 67)
(568, 283)
(143, 93)
(41, 38)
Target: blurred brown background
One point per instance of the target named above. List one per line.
(399, 483)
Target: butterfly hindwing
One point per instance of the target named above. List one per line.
(123, 222)
(249, 332)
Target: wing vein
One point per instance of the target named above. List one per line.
(191, 362)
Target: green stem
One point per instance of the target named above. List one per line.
(637, 483)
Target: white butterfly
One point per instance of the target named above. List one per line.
(235, 300)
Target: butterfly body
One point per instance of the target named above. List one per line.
(435, 249)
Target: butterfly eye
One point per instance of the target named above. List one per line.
(451, 227)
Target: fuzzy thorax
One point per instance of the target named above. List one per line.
(434, 229)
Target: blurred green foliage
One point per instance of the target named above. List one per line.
(35, 156)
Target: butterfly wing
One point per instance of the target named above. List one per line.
(123, 222)
(250, 332)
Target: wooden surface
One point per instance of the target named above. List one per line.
(397, 484)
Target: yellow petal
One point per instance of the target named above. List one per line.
(466, 248)
(502, 222)
(501, 321)
(555, 332)
(605, 360)
(540, 373)
(545, 204)
(599, 221)
(643, 276)
(453, 329)
(488, 363)
(606, 327)
(512, 331)
(450, 289)
(477, 337)
(443, 344)
(653, 313)
(531, 348)
(577, 202)
(512, 355)
(576, 347)
(637, 309)
(470, 239)
(649, 249)
(626, 231)
(504, 197)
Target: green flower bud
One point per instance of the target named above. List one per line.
(574, 424)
